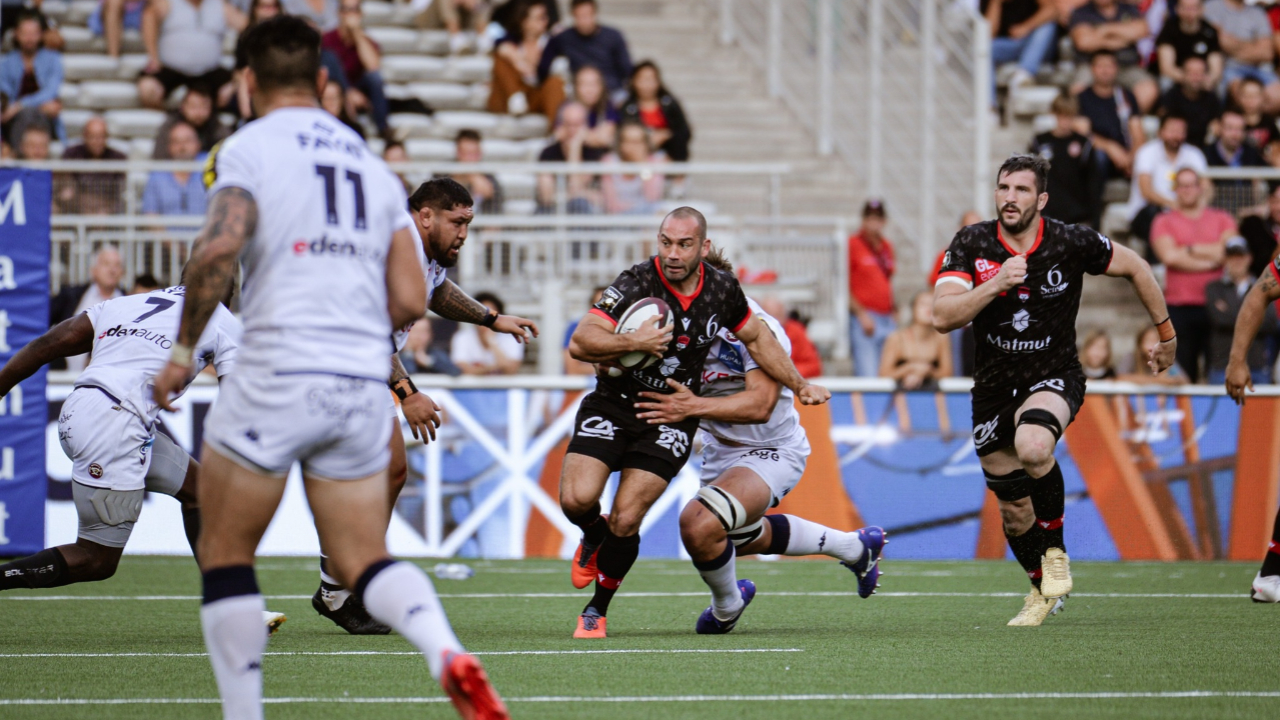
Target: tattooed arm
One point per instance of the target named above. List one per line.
(451, 303)
(421, 412)
(233, 216)
(1252, 311)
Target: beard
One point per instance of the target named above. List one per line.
(440, 251)
(688, 270)
(1024, 222)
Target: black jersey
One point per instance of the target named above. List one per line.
(1028, 332)
(718, 302)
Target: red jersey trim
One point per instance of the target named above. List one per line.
(605, 315)
(1039, 237)
(685, 300)
(744, 321)
(956, 274)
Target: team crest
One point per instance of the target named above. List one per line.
(609, 299)
(1024, 294)
(95, 470)
(682, 342)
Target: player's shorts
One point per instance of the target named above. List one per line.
(779, 467)
(994, 408)
(335, 425)
(112, 448)
(609, 431)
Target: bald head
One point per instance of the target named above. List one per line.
(107, 269)
(971, 217)
(774, 307)
(95, 136)
(684, 215)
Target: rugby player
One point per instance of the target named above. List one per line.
(754, 452)
(1018, 280)
(330, 268)
(442, 212)
(608, 437)
(1266, 585)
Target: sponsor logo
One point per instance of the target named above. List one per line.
(1024, 293)
(731, 358)
(1055, 285)
(669, 366)
(684, 322)
(946, 259)
(986, 269)
(765, 454)
(712, 330)
(985, 433)
(95, 470)
(609, 299)
(324, 245)
(677, 441)
(1052, 384)
(1019, 346)
(252, 435)
(1021, 321)
(1106, 241)
(682, 342)
(140, 333)
(596, 427)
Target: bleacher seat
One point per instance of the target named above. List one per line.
(141, 148)
(394, 40)
(412, 68)
(134, 122)
(430, 149)
(90, 66)
(1044, 123)
(80, 39)
(469, 69)
(104, 94)
(411, 125)
(73, 120)
(1032, 99)
(441, 96)
(502, 150)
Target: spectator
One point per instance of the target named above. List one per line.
(571, 365)
(479, 350)
(1232, 151)
(421, 356)
(633, 194)
(145, 283)
(34, 143)
(589, 43)
(570, 145)
(259, 10)
(196, 110)
(105, 274)
(484, 187)
(1223, 298)
(916, 356)
(30, 80)
(650, 103)
(1186, 35)
(1076, 195)
(804, 355)
(333, 101)
(184, 47)
(1262, 232)
(93, 193)
(1022, 31)
(1259, 125)
(1189, 241)
(1154, 165)
(1117, 27)
(360, 58)
(454, 15)
(176, 193)
(393, 153)
(1144, 345)
(970, 217)
(112, 18)
(1114, 122)
(1095, 356)
(602, 116)
(1244, 32)
(506, 15)
(871, 265)
(1190, 100)
(515, 67)
(323, 14)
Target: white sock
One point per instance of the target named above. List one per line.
(726, 599)
(810, 538)
(401, 596)
(236, 637)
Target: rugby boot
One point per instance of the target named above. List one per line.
(867, 568)
(583, 569)
(709, 624)
(1035, 609)
(350, 615)
(1266, 589)
(1056, 579)
(273, 621)
(467, 685)
(591, 626)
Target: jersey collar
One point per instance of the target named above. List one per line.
(1039, 237)
(685, 300)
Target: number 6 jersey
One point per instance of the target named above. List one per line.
(1028, 332)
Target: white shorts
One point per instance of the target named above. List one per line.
(109, 446)
(780, 467)
(334, 425)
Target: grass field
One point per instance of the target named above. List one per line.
(934, 644)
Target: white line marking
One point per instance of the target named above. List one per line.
(499, 596)
(695, 651)
(889, 697)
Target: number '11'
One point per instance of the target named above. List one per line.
(330, 175)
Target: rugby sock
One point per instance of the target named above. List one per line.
(191, 526)
(400, 595)
(1048, 499)
(1271, 563)
(613, 561)
(45, 569)
(593, 526)
(1028, 549)
(721, 576)
(332, 592)
(802, 537)
(231, 618)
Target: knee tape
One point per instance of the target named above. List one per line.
(117, 506)
(1044, 419)
(731, 514)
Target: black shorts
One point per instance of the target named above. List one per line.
(172, 79)
(608, 430)
(994, 408)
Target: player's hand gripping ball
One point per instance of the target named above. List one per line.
(652, 322)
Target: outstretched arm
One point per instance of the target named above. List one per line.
(752, 405)
(73, 336)
(1126, 263)
(1252, 312)
(773, 359)
(451, 303)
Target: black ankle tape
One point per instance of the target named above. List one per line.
(224, 582)
(718, 562)
(781, 534)
(369, 573)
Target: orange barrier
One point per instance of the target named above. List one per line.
(1257, 486)
(821, 496)
(991, 540)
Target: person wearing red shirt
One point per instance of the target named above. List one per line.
(804, 354)
(871, 265)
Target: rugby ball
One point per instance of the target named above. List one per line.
(639, 314)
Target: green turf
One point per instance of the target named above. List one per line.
(884, 645)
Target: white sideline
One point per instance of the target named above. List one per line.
(891, 697)
(499, 596)
(692, 651)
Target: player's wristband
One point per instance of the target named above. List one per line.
(489, 319)
(1166, 330)
(403, 388)
(1175, 337)
(180, 355)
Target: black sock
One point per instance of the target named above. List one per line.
(1271, 563)
(593, 527)
(781, 528)
(191, 526)
(1049, 500)
(45, 569)
(1027, 548)
(613, 560)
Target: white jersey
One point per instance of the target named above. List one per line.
(314, 297)
(435, 277)
(725, 373)
(132, 339)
